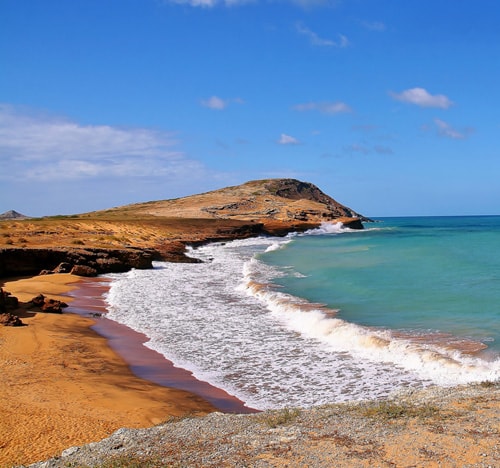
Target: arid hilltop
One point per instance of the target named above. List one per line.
(119, 238)
(265, 201)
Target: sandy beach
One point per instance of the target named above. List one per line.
(63, 385)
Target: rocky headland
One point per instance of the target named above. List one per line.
(132, 236)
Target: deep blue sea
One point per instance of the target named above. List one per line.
(329, 315)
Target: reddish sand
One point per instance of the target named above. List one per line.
(63, 385)
(144, 362)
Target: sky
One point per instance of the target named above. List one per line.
(391, 107)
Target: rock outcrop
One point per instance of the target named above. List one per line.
(29, 261)
(10, 320)
(7, 304)
(48, 305)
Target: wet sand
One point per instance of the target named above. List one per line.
(63, 385)
(144, 362)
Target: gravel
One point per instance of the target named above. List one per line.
(433, 427)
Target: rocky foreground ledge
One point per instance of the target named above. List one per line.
(457, 427)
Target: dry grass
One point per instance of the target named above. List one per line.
(396, 410)
(280, 417)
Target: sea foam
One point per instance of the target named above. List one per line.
(227, 322)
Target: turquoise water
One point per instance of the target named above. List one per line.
(433, 277)
(329, 315)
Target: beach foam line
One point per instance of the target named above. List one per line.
(443, 365)
(144, 362)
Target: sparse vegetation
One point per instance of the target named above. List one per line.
(135, 462)
(279, 417)
(397, 410)
(489, 384)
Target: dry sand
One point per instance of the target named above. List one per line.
(62, 385)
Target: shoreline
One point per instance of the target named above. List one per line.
(454, 426)
(145, 363)
(64, 385)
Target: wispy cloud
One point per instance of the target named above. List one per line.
(288, 140)
(422, 98)
(364, 128)
(357, 148)
(324, 107)
(42, 147)
(306, 4)
(446, 130)
(209, 3)
(377, 26)
(316, 40)
(366, 148)
(218, 103)
(380, 149)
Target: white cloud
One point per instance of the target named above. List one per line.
(41, 147)
(446, 130)
(422, 98)
(287, 140)
(218, 103)
(324, 107)
(318, 41)
(214, 102)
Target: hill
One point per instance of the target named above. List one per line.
(11, 214)
(265, 201)
(134, 235)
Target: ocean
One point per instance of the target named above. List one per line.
(329, 315)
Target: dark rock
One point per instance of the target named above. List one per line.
(30, 261)
(83, 270)
(7, 301)
(38, 301)
(63, 267)
(351, 223)
(46, 272)
(53, 306)
(48, 305)
(10, 320)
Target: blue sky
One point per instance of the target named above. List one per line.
(392, 107)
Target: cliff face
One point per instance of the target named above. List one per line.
(28, 261)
